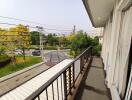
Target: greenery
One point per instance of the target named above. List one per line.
(34, 47)
(14, 37)
(35, 38)
(66, 47)
(3, 58)
(2, 50)
(77, 42)
(50, 47)
(20, 37)
(80, 41)
(52, 39)
(96, 46)
(19, 65)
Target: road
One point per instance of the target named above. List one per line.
(52, 58)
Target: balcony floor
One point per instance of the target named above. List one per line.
(93, 88)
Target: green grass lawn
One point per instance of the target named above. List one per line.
(3, 57)
(20, 64)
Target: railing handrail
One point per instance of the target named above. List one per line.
(43, 87)
(82, 53)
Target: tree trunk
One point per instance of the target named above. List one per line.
(23, 53)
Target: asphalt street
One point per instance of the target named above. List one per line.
(52, 58)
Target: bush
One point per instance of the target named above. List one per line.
(2, 50)
(97, 50)
(64, 48)
(81, 41)
(4, 60)
(51, 48)
(34, 47)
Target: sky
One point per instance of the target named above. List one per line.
(60, 14)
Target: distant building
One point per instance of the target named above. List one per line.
(97, 32)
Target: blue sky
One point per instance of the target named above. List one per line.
(62, 14)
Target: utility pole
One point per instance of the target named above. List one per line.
(74, 29)
(40, 30)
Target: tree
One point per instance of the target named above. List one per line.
(71, 37)
(80, 41)
(96, 46)
(35, 39)
(23, 36)
(52, 39)
(15, 37)
(7, 41)
(63, 41)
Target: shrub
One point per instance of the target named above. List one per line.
(4, 60)
(81, 41)
(64, 48)
(2, 50)
(97, 50)
(51, 48)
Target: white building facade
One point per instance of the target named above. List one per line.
(116, 18)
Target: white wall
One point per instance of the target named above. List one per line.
(116, 44)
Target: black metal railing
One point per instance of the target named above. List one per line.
(61, 85)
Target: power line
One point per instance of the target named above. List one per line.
(25, 21)
(36, 27)
(56, 29)
(16, 25)
(8, 24)
(20, 20)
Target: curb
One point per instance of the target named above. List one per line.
(19, 72)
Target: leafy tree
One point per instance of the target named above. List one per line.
(71, 37)
(2, 50)
(15, 37)
(52, 39)
(96, 46)
(80, 41)
(23, 37)
(35, 39)
(63, 41)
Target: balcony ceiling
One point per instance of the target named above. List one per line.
(98, 11)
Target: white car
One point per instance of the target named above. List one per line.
(18, 52)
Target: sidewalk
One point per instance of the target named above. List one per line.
(14, 82)
(93, 88)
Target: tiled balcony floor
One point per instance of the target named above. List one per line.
(93, 88)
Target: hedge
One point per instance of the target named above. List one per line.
(4, 60)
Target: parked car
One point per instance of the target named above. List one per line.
(18, 52)
(36, 53)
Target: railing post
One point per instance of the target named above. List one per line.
(80, 64)
(87, 55)
(73, 72)
(70, 80)
(65, 85)
(91, 51)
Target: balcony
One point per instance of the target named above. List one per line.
(78, 79)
